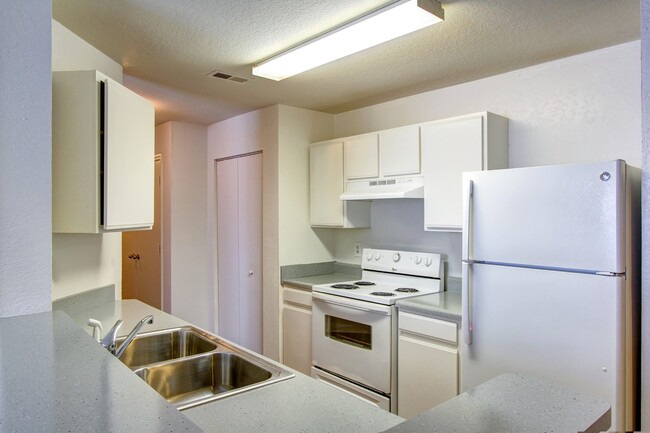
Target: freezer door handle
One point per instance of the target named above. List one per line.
(467, 219)
(467, 323)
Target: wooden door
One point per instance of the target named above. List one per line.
(142, 254)
(239, 250)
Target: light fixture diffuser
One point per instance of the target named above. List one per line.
(390, 22)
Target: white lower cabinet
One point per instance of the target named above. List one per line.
(427, 363)
(296, 329)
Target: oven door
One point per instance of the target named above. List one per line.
(353, 339)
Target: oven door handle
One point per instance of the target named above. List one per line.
(352, 303)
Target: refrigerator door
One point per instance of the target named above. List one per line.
(564, 327)
(566, 217)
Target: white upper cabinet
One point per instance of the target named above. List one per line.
(451, 147)
(362, 157)
(102, 155)
(326, 181)
(399, 151)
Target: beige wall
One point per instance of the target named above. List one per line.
(298, 242)
(283, 134)
(249, 132)
(187, 244)
(82, 262)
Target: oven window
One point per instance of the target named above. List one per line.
(348, 332)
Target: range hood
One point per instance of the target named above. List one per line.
(375, 189)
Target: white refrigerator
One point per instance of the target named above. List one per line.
(550, 265)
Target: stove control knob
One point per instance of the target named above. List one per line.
(427, 261)
(396, 257)
(418, 260)
(377, 256)
(368, 256)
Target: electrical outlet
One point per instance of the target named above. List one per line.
(357, 249)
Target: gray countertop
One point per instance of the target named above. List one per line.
(305, 276)
(306, 283)
(443, 305)
(55, 378)
(299, 404)
(63, 381)
(517, 404)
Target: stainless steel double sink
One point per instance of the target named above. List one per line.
(189, 367)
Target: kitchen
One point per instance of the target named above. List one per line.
(544, 119)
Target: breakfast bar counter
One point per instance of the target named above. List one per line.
(54, 377)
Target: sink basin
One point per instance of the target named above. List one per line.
(189, 382)
(189, 366)
(153, 347)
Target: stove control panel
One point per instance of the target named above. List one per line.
(403, 262)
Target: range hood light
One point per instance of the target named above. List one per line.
(390, 22)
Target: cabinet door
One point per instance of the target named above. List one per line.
(128, 159)
(362, 157)
(326, 184)
(249, 248)
(427, 374)
(239, 250)
(449, 149)
(399, 151)
(296, 338)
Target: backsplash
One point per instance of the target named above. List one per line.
(398, 225)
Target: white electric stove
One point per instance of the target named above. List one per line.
(354, 324)
(388, 276)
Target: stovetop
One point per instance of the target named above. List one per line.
(380, 293)
(388, 276)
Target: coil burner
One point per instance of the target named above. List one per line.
(344, 286)
(407, 290)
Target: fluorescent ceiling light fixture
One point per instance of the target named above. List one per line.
(390, 22)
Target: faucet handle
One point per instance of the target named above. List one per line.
(97, 327)
(109, 339)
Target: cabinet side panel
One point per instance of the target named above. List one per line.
(75, 161)
(496, 144)
(326, 184)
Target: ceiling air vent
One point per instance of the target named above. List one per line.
(229, 77)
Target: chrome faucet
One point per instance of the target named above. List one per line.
(109, 339)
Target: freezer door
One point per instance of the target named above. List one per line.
(567, 328)
(566, 216)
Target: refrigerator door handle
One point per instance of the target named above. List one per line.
(467, 220)
(467, 323)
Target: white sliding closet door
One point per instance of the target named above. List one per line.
(239, 250)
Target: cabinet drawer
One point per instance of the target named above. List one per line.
(434, 328)
(297, 297)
